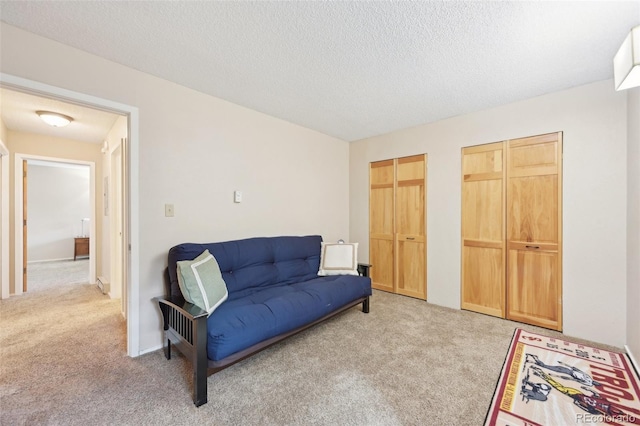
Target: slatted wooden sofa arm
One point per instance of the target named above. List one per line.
(364, 270)
(185, 325)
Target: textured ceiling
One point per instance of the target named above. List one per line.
(18, 112)
(348, 69)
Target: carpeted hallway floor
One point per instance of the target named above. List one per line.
(46, 275)
(63, 362)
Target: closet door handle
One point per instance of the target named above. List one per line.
(411, 238)
(532, 247)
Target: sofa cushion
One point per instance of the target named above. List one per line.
(201, 282)
(256, 317)
(254, 264)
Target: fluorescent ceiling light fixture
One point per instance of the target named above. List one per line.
(626, 63)
(54, 119)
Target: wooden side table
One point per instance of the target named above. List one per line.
(81, 247)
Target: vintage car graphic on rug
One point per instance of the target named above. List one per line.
(547, 381)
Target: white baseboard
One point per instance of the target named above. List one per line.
(153, 349)
(633, 360)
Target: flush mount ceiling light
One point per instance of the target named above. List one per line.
(626, 63)
(54, 119)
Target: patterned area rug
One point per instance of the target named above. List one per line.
(46, 275)
(546, 381)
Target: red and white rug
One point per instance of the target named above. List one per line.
(552, 382)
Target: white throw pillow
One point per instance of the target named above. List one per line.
(338, 259)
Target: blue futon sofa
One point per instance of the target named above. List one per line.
(274, 292)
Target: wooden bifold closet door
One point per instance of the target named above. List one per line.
(397, 225)
(382, 196)
(512, 230)
(483, 240)
(534, 230)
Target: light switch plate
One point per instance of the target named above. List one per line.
(168, 210)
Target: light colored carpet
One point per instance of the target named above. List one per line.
(407, 362)
(46, 275)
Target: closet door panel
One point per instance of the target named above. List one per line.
(411, 251)
(411, 267)
(534, 231)
(483, 289)
(382, 211)
(535, 156)
(483, 218)
(410, 218)
(381, 257)
(534, 287)
(382, 224)
(482, 210)
(533, 209)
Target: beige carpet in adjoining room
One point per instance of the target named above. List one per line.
(46, 275)
(63, 362)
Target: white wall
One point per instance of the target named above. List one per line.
(118, 131)
(633, 222)
(3, 257)
(3, 131)
(58, 199)
(194, 151)
(115, 231)
(4, 212)
(106, 226)
(593, 119)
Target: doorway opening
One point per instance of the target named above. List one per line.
(129, 205)
(57, 205)
(20, 204)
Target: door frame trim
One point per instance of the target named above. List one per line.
(4, 214)
(19, 213)
(132, 203)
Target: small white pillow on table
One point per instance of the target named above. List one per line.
(338, 259)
